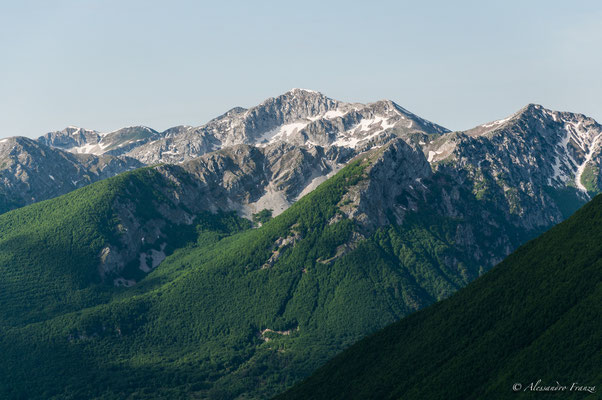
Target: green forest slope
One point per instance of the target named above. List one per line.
(232, 312)
(536, 316)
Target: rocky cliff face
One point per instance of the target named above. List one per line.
(249, 179)
(535, 147)
(84, 141)
(72, 138)
(31, 171)
(553, 148)
(392, 187)
(538, 162)
(498, 186)
(402, 189)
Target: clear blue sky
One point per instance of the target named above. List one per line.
(108, 64)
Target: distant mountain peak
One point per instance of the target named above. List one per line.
(297, 90)
(73, 128)
(556, 148)
(528, 111)
(10, 139)
(133, 127)
(302, 95)
(535, 112)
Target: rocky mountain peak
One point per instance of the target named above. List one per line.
(575, 139)
(299, 116)
(31, 171)
(231, 113)
(294, 105)
(393, 185)
(71, 137)
(304, 95)
(523, 158)
(73, 130)
(304, 91)
(9, 141)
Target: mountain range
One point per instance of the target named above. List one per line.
(233, 259)
(542, 148)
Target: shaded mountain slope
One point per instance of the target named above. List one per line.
(536, 316)
(67, 253)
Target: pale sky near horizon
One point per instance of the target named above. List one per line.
(108, 64)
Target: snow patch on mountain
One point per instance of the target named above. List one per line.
(293, 90)
(376, 122)
(333, 114)
(91, 148)
(281, 133)
(564, 165)
(498, 122)
(587, 140)
(593, 148)
(441, 152)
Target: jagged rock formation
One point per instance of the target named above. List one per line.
(394, 186)
(31, 171)
(300, 117)
(548, 147)
(85, 141)
(537, 161)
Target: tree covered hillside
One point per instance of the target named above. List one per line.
(536, 316)
(231, 312)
